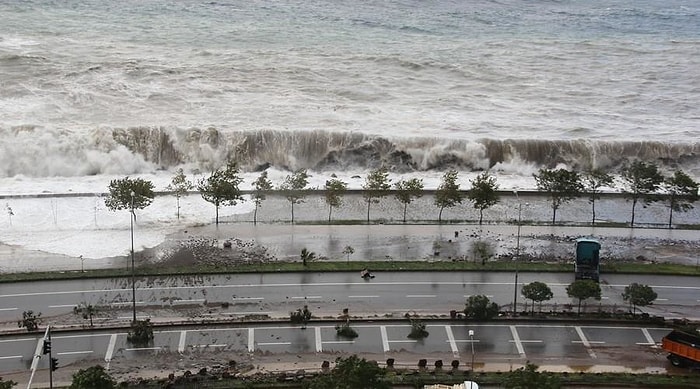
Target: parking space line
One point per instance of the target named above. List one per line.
(251, 339)
(305, 297)
(451, 340)
(8, 309)
(275, 344)
(209, 345)
(585, 342)
(11, 357)
(650, 340)
(110, 349)
(125, 303)
(339, 342)
(385, 338)
(518, 343)
(143, 348)
(319, 343)
(248, 298)
(404, 341)
(658, 299)
(74, 352)
(183, 337)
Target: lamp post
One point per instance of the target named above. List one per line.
(471, 340)
(133, 279)
(517, 256)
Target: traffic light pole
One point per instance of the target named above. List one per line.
(48, 331)
(37, 356)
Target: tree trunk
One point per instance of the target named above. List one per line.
(593, 208)
(440, 215)
(369, 202)
(217, 214)
(404, 212)
(255, 215)
(579, 307)
(178, 207)
(670, 214)
(292, 212)
(634, 204)
(330, 209)
(481, 216)
(554, 216)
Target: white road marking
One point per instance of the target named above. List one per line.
(451, 340)
(251, 340)
(305, 297)
(585, 342)
(339, 342)
(420, 295)
(658, 299)
(319, 343)
(650, 340)
(404, 341)
(17, 340)
(477, 341)
(74, 352)
(385, 338)
(248, 298)
(518, 342)
(188, 301)
(11, 357)
(63, 306)
(275, 344)
(14, 309)
(110, 349)
(181, 345)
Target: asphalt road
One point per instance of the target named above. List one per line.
(510, 343)
(327, 294)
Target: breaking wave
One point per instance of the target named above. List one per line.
(36, 152)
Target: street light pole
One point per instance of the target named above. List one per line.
(133, 279)
(517, 257)
(471, 340)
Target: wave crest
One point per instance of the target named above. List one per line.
(37, 152)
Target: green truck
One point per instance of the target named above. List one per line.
(587, 266)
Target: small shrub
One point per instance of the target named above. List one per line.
(300, 316)
(30, 321)
(344, 330)
(141, 333)
(418, 330)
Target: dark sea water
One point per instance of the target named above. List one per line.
(94, 87)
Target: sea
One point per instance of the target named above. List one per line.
(91, 90)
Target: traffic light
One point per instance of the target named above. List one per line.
(47, 346)
(54, 364)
